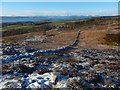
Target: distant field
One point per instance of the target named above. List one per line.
(14, 27)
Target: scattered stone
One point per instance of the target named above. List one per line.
(87, 68)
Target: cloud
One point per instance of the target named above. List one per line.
(108, 12)
(62, 13)
(42, 13)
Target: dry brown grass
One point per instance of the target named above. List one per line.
(55, 39)
(96, 38)
(73, 60)
(92, 38)
(113, 37)
(19, 38)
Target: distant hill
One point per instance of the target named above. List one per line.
(8, 19)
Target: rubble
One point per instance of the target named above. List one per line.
(90, 68)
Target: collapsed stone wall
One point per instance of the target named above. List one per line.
(11, 58)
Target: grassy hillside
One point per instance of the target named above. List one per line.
(98, 27)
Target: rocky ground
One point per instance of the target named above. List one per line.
(88, 68)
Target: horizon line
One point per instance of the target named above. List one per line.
(51, 15)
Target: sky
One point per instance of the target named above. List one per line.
(59, 8)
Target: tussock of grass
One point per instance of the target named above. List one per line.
(73, 60)
(69, 59)
(52, 57)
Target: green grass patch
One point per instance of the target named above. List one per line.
(14, 27)
(20, 29)
(0, 29)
